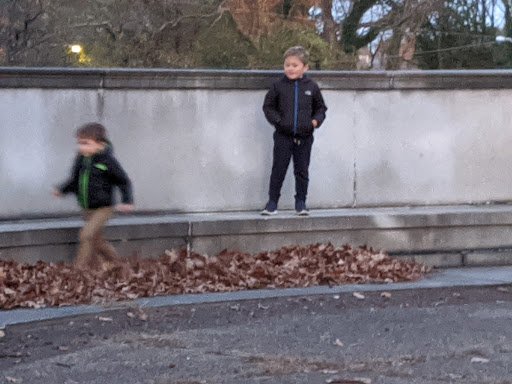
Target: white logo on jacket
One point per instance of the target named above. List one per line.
(308, 93)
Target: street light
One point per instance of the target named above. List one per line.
(76, 48)
(503, 39)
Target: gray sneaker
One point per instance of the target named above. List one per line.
(270, 208)
(300, 208)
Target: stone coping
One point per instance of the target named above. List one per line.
(121, 78)
(55, 231)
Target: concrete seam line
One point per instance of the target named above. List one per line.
(354, 143)
(188, 239)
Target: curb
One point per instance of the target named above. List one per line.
(448, 278)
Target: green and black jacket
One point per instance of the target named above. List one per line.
(93, 180)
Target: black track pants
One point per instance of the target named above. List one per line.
(285, 148)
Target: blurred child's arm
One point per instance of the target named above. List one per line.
(319, 108)
(70, 185)
(270, 107)
(121, 179)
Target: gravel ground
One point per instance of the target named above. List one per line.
(456, 335)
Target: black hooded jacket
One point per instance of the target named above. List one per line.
(291, 105)
(93, 180)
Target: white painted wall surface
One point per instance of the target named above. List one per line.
(197, 150)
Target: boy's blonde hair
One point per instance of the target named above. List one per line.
(299, 52)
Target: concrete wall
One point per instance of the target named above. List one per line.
(198, 141)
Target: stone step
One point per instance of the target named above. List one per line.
(442, 236)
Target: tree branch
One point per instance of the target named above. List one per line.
(39, 13)
(350, 39)
(174, 23)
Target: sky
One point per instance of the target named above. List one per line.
(341, 7)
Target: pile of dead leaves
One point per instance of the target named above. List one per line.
(43, 285)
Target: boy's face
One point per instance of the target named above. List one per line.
(89, 147)
(294, 68)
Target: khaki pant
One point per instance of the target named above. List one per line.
(92, 241)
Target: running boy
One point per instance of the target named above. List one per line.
(94, 175)
(295, 107)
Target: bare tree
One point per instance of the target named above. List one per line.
(4, 41)
(351, 39)
(119, 32)
(329, 32)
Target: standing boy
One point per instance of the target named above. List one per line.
(94, 175)
(295, 107)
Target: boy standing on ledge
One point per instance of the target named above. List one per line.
(94, 175)
(295, 107)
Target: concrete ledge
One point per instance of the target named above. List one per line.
(440, 260)
(54, 231)
(353, 219)
(442, 229)
(12, 77)
(56, 240)
(50, 78)
(436, 236)
(489, 257)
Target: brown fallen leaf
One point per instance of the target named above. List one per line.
(105, 319)
(9, 291)
(387, 295)
(343, 381)
(479, 360)
(173, 256)
(502, 289)
(329, 371)
(12, 379)
(143, 316)
(32, 304)
(63, 348)
(186, 272)
(358, 295)
(338, 343)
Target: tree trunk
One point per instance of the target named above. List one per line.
(508, 29)
(484, 16)
(329, 32)
(4, 28)
(350, 39)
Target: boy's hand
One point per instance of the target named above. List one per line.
(315, 123)
(125, 207)
(57, 193)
